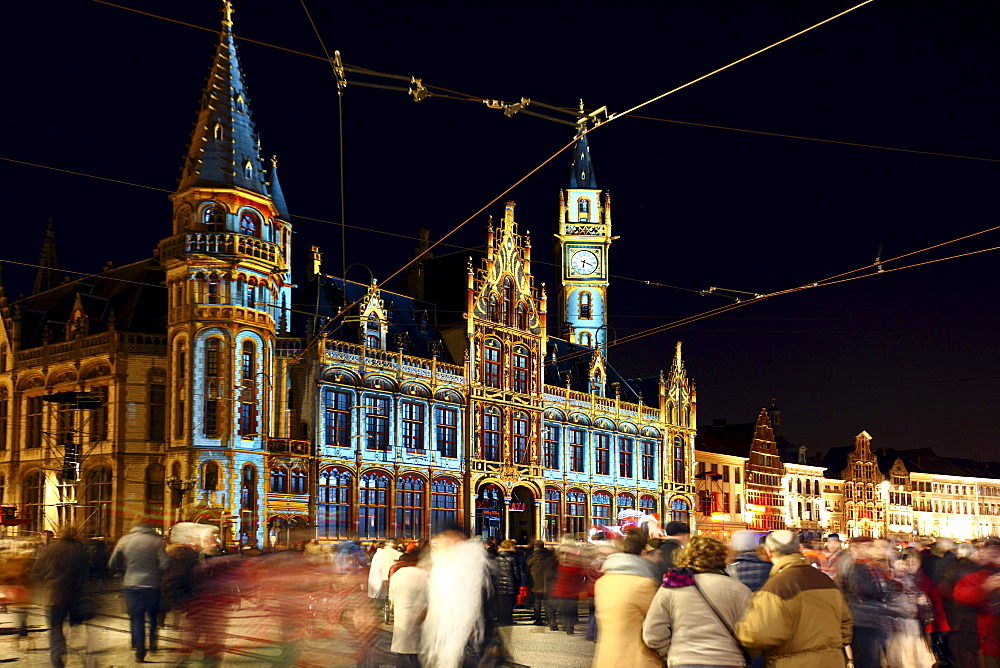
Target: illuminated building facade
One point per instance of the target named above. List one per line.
(803, 484)
(216, 402)
(720, 493)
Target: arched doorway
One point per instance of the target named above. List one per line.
(490, 514)
(522, 515)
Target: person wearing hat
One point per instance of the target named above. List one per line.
(835, 555)
(678, 533)
(798, 618)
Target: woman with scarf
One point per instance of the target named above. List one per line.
(693, 614)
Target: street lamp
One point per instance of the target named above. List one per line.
(180, 487)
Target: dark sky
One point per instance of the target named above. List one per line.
(911, 356)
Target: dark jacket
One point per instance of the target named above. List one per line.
(866, 585)
(507, 575)
(61, 571)
(749, 569)
(541, 566)
(962, 618)
(667, 549)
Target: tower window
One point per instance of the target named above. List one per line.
(214, 218)
(217, 131)
(583, 207)
(586, 301)
(373, 332)
(248, 169)
(585, 339)
(250, 221)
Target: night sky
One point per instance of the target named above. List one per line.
(910, 356)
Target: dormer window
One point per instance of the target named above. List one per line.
(217, 131)
(373, 332)
(250, 224)
(214, 218)
(248, 169)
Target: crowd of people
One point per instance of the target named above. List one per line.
(676, 599)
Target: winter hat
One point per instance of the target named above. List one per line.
(743, 541)
(676, 528)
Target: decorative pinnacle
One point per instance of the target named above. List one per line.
(227, 15)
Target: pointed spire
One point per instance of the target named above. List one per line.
(224, 149)
(581, 173)
(48, 264)
(277, 196)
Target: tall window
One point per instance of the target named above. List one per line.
(522, 316)
(491, 363)
(333, 506)
(491, 434)
(519, 437)
(493, 309)
(97, 499)
(155, 492)
(248, 391)
(680, 511)
(279, 479)
(447, 431)
(248, 503)
(409, 507)
(576, 512)
(99, 416)
(33, 424)
(211, 409)
(157, 411)
(251, 300)
(508, 302)
(680, 461)
(553, 514)
(625, 446)
(600, 507)
(444, 504)
(647, 504)
(373, 507)
(586, 301)
(583, 208)
(210, 476)
(602, 454)
(625, 502)
(34, 500)
(338, 417)
(519, 369)
(413, 426)
(299, 480)
(373, 332)
(377, 423)
(3, 418)
(550, 449)
(212, 289)
(576, 441)
(212, 349)
(250, 223)
(648, 459)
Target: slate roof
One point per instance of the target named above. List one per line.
(134, 293)
(581, 172)
(575, 359)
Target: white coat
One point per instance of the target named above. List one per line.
(382, 561)
(408, 593)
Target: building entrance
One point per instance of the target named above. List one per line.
(522, 515)
(490, 515)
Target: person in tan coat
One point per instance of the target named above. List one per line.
(621, 597)
(799, 618)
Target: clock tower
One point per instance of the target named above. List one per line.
(583, 231)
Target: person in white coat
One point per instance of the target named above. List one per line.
(378, 573)
(408, 593)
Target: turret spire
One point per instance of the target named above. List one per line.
(224, 149)
(48, 263)
(581, 173)
(277, 196)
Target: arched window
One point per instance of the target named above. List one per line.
(519, 369)
(409, 507)
(680, 511)
(583, 208)
(490, 511)
(333, 507)
(4, 418)
(251, 294)
(373, 332)
(212, 289)
(585, 339)
(248, 504)
(647, 504)
(155, 492)
(798, 484)
(508, 302)
(491, 434)
(250, 221)
(212, 349)
(600, 508)
(626, 502)
(217, 131)
(492, 308)
(300, 481)
(491, 363)
(373, 506)
(522, 316)
(210, 476)
(97, 497)
(586, 305)
(444, 503)
(248, 390)
(680, 461)
(214, 218)
(519, 437)
(550, 446)
(279, 479)
(553, 514)
(576, 512)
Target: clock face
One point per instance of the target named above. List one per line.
(584, 263)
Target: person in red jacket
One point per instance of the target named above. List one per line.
(981, 589)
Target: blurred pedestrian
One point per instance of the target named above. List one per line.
(408, 593)
(60, 573)
(571, 575)
(16, 584)
(910, 610)
(506, 582)
(540, 566)
(835, 555)
(798, 618)
(677, 534)
(962, 643)
(867, 583)
(691, 619)
(981, 590)
(621, 598)
(747, 566)
(142, 555)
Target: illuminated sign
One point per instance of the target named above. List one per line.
(517, 507)
(721, 517)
